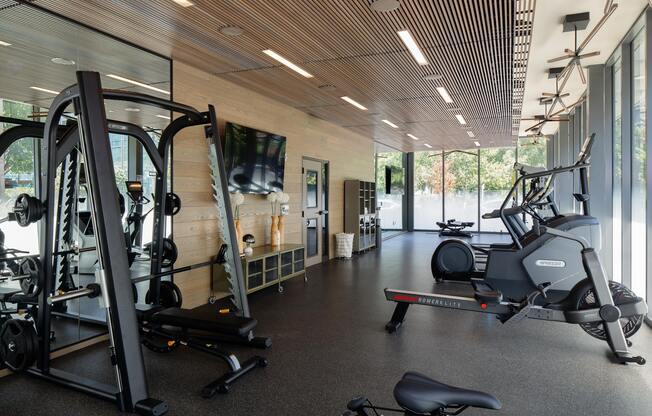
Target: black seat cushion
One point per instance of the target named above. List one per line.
(204, 319)
(420, 394)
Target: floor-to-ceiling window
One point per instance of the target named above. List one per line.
(428, 196)
(461, 186)
(496, 180)
(638, 166)
(617, 248)
(390, 204)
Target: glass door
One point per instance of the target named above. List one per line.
(313, 210)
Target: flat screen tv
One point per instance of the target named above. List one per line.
(394, 180)
(255, 160)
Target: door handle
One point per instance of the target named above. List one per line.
(323, 212)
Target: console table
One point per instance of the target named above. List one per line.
(268, 266)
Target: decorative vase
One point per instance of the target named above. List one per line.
(274, 234)
(238, 234)
(281, 229)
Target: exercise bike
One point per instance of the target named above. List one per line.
(418, 394)
(519, 280)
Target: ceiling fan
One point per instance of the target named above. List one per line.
(549, 116)
(554, 98)
(537, 138)
(576, 55)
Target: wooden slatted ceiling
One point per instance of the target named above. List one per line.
(346, 44)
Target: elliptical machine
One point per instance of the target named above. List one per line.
(519, 280)
(509, 267)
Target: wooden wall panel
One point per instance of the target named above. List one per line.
(351, 156)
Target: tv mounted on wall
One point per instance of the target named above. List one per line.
(255, 160)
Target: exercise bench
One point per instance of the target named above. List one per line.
(164, 329)
(453, 228)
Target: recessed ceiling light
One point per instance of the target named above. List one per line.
(444, 94)
(385, 5)
(433, 77)
(163, 116)
(354, 103)
(470, 133)
(287, 63)
(412, 136)
(327, 87)
(460, 118)
(137, 83)
(4, 43)
(132, 109)
(389, 123)
(45, 90)
(62, 61)
(427, 145)
(412, 46)
(477, 144)
(184, 3)
(232, 31)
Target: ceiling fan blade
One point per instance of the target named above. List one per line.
(597, 27)
(534, 127)
(548, 94)
(589, 55)
(569, 51)
(581, 71)
(564, 95)
(559, 58)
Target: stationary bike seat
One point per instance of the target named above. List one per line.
(420, 394)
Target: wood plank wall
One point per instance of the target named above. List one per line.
(351, 156)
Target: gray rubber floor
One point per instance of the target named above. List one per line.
(329, 344)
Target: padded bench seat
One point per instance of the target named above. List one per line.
(201, 319)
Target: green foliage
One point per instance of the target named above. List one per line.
(383, 160)
(19, 158)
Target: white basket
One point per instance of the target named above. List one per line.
(343, 245)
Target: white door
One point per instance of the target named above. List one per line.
(313, 210)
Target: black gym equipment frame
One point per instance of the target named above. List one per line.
(87, 97)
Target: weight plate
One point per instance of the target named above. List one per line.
(172, 204)
(18, 344)
(27, 210)
(30, 269)
(169, 254)
(170, 295)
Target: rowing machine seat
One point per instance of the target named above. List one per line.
(419, 394)
(202, 319)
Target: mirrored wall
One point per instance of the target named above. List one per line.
(39, 56)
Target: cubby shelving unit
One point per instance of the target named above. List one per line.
(360, 213)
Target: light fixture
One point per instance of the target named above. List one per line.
(139, 84)
(232, 31)
(444, 94)
(477, 144)
(45, 90)
(132, 109)
(412, 136)
(433, 77)
(287, 63)
(412, 46)
(385, 5)
(354, 103)
(389, 123)
(470, 133)
(460, 118)
(427, 145)
(184, 3)
(163, 116)
(4, 43)
(62, 61)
